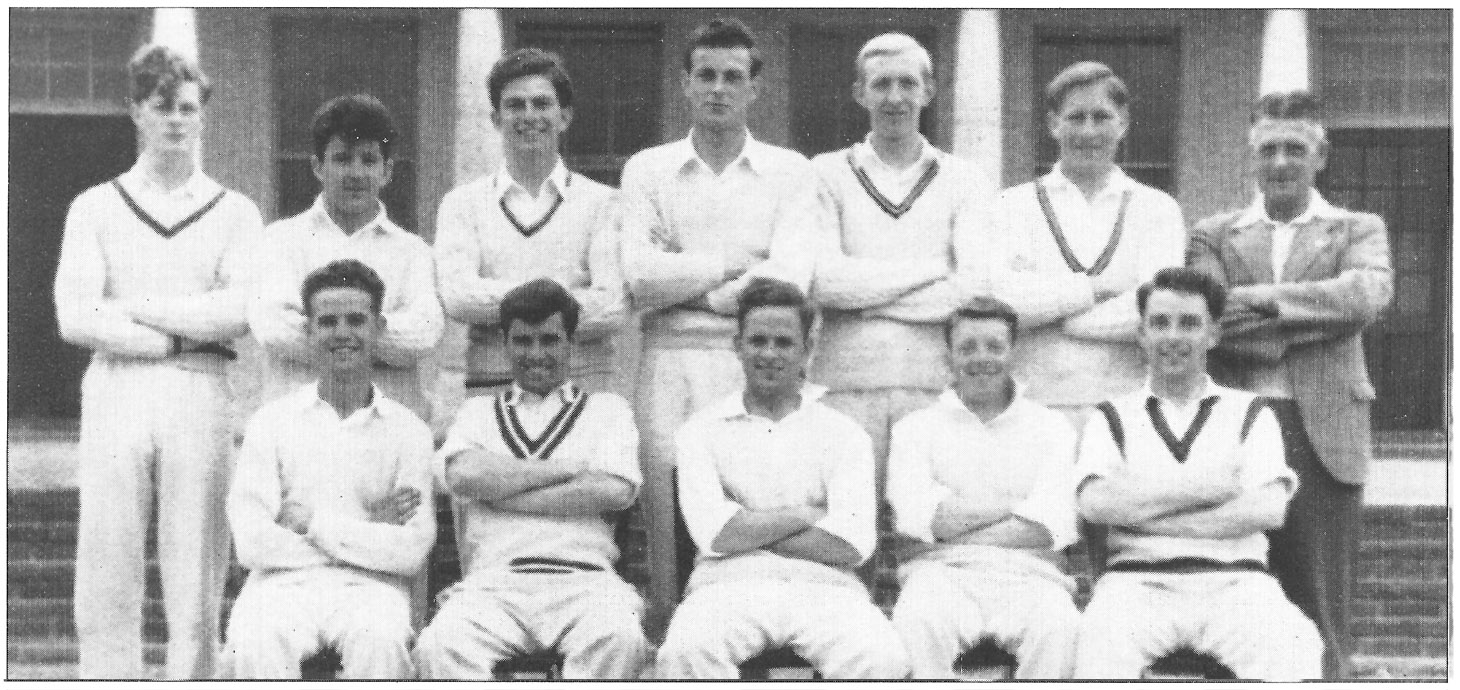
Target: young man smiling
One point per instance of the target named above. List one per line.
(1188, 475)
(331, 503)
(153, 279)
(776, 489)
(353, 142)
(533, 218)
(980, 479)
(538, 472)
(703, 217)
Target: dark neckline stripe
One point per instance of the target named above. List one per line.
(534, 444)
(1179, 448)
(891, 209)
(530, 230)
(567, 427)
(501, 408)
(1102, 261)
(158, 227)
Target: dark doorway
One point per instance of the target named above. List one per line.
(52, 159)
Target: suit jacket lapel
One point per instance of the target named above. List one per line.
(1309, 242)
(1252, 244)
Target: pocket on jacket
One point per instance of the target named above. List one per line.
(1362, 390)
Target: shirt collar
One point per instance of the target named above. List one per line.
(197, 186)
(950, 399)
(1116, 183)
(557, 180)
(733, 407)
(380, 224)
(1209, 389)
(310, 398)
(567, 393)
(752, 154)
(1318, 208)
(866, 156)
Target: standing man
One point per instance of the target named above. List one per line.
(1188, 474)
(538, 473)
(1305, 278)
(776, 489)
(152, 280)
(533, 218)
(1068, 249)
(326, 507)
(981, 479)
(897, 263)
(353, 142)
(704, 216)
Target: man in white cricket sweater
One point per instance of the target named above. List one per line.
(703, 216)
(981, 480)
(1069, 249)
(532, 218)
(776, 489)
(1188, 475)
(353, 142)
(896, 263)
(152, 279)
(538, 473)
(331, 504)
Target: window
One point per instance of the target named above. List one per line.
(1150, 65)
(71, 62)
(616, 72)
(1381, 68)
(317, 58)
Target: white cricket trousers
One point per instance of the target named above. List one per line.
(152, 436)
(1240, 618)
(283, 617)
(944, 610)
(834, 627)
(593, 619)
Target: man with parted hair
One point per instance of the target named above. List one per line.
(981, 480)
(354, 141)
(539, 472)
(331, 503)
(776, 490)
(1068, 249)
(532, 218)
(1188, 475)
(1305, 279)
(897, 258)
(153, 278)
(703, 217)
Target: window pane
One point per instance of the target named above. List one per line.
(27, 81)
(69, 82)
(27, 45)
(70, 46)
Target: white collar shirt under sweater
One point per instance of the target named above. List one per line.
(602, 438)
(1218, 439)
(529, 207)
(194, 281)
(310, 240)
(892, 269)
(729, 460)
(1026, 455)
(298, 448)
(683, 222)
(1071, 350)
(481, 254)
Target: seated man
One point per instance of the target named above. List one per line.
(537, 472)
(777, 491)
(326, 504)
(1188, 474)
(981, 480)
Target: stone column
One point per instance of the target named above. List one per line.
(978, 95)
(176, 28)
(1284, 52)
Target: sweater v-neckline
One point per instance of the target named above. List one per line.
(896, 210)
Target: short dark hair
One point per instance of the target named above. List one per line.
(527, 62)
(535, 301)
(161, 70)
(769, 292)
(1185, 280)
(1082, 74)
(1287, 105)
(984, 307)
(343, 273)
(360, 117)
(723, 32)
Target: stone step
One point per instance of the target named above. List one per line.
(1400, 668)
(65, 651)
(1435, 648)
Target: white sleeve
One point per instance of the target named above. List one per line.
(851, 492)
(702, 497)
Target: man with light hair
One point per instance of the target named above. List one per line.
(1306, 278)
(897, 262)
